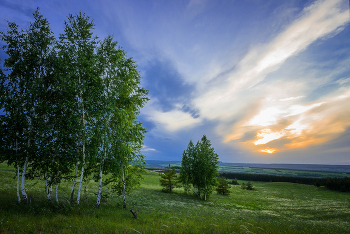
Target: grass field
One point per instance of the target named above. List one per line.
(271, 208)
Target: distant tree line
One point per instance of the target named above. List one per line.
(340, 184)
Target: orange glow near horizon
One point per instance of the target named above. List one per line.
(266, 135)
(268, 151)
(279, 125)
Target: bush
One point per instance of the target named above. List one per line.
(234, 182)
(250, 186)
(223, 187)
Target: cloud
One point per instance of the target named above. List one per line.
(147, 149)
(170, 121)
(316, 22)
(295, 126)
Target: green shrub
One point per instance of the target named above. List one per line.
(223, 187)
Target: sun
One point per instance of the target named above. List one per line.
(268, 150)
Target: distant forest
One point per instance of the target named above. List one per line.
(340, 184)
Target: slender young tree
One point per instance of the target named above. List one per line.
(210, 162)
(186, 166)
(169, 180)
(121, 100)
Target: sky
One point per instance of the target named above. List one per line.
(267, 81)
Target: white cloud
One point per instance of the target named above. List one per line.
(146, 149)
(170, 121)
(316, 22)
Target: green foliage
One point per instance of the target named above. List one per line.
(199, 167)
(169, 180)
(71, 102)
(132, 182)
(248, 186)
(234, 182)
(223, 187)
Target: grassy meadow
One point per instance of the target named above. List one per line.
(270, 208)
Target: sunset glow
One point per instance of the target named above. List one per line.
(266, 135)
(268, 151)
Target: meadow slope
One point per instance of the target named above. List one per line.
(271, 208)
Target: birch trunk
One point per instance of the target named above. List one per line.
(45, 177)
(98, 202)
(24, 194)
(83, 143)
(19, 198)
(124, 202)
(74, 182)
(205, 195)
(86, 189)
(81, 176)
(49, 189)
(56, 192)
(23, 190)
(57, 177)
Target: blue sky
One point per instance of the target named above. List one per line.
(266, 81)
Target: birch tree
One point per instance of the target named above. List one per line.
(28, 51)
(210, 162)
(122, 135)
(77, 51)
(200, 167)
(186, 166)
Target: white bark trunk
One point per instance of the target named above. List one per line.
(24, 194)
(48, 188)
(205, 196)
(81, 176)
(56, 192)
(86, 189)
(98, 202)
(45, 177)
(74, 182)
(57, 177)
(124, 202)
(83, 143)
(19, 198)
